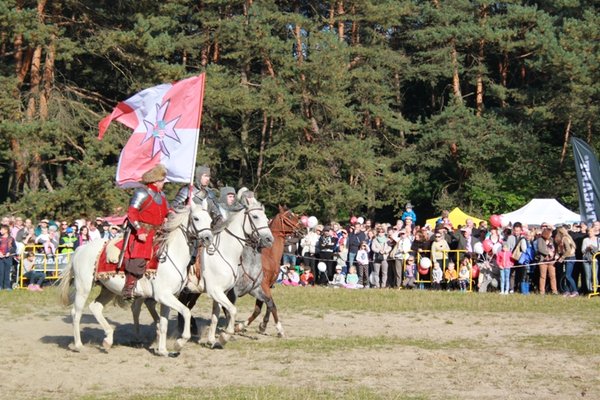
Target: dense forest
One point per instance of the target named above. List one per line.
(332, 107)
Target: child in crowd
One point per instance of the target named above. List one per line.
(504, 262)
(352, 279)
(306, 278)
(339, 278)
(410, 273)
(362, 260)
(464, 275)
(45, 239)
(36, 278)
(436, 276)
(451, 277)
(291, 277)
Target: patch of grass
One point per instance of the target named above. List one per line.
(587, 344)
(322, 300)
(266, 393)
(21, 302)
(329, 345)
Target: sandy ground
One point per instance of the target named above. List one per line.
(492, 361)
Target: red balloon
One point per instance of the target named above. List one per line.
(496, 221)
(304, 220)
(423, 271)
(487, 245)
(475, 271)
(353, 220)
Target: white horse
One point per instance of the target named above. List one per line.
(222, 268)
(191, 222)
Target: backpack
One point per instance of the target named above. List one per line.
(516, 253)
(528, 256)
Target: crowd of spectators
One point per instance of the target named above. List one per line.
(466, 257)
(48, 239)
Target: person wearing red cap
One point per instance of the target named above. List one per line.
(147, 211)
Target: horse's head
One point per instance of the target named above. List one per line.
(256, 223)
(286, 223)
(199, 222)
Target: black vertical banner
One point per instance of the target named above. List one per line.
(588, 179)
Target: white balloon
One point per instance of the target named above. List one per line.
(360, 220)
(312, 222)
(504, 221)
(425, 263)
(322, 266)
(496, 248)
(478, 248)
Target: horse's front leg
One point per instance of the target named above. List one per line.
(96, 308)
(221, 299)
(212, 329)
(272, 309)
(161, 331)
(171, 302)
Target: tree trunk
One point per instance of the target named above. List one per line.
(299, 50)
(340, 10)
(263, 143)
(503, 68)
(589, 131)
(48, 77)
(36, 78)
(35, 169)
(355, 37)
(331, 14)
(244, 131)
(215, 57)
(480, 60)
(563, 153)
(455, 75)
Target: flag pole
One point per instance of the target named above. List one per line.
(200, 105)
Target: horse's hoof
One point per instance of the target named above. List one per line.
(281, 334)
(76, 348)
(216, 346)
(262, 328)
(241, 327)
(179, 343)
(161, 353)
(106, 344)
(174, 354)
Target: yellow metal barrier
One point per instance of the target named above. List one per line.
(51, 265)
(447, 253)
(595, 284)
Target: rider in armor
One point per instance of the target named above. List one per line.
(227, 202)
(147, 211)
(201, 191)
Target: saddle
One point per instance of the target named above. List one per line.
(113, 251)
(106, 263)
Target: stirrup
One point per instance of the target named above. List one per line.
(210, 249)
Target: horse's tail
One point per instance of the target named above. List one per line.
(64, 286)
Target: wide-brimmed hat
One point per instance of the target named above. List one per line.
(155, 174)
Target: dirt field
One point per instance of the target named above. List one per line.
(487, 356)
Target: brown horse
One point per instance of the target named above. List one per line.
(283, 224)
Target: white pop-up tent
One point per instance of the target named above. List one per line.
(538, 211)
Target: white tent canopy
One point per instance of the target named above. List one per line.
(538, 211)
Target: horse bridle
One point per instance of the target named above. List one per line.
(253, 237)
(287, 222)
